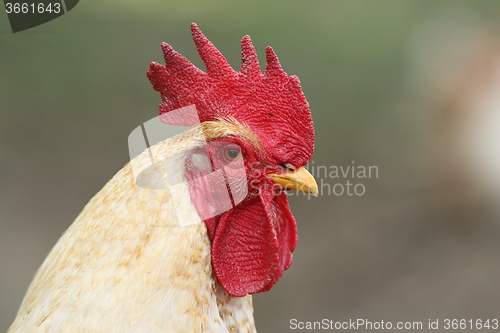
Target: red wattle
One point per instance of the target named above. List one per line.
(253, 243)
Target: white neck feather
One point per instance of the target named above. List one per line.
(135, 260)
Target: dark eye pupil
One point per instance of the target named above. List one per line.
(232, 153)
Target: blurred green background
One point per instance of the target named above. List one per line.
(393, 84)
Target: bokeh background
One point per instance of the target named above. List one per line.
(409, 86)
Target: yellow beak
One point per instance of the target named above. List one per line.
(300, 180)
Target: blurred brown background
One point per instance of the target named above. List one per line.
(409, 86)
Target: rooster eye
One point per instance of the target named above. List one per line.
(231, 154)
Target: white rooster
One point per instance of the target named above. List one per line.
(186, 256)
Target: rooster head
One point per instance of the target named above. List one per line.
(259, 132)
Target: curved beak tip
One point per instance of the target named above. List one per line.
(300, 180)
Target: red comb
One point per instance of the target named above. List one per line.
(271, 103)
